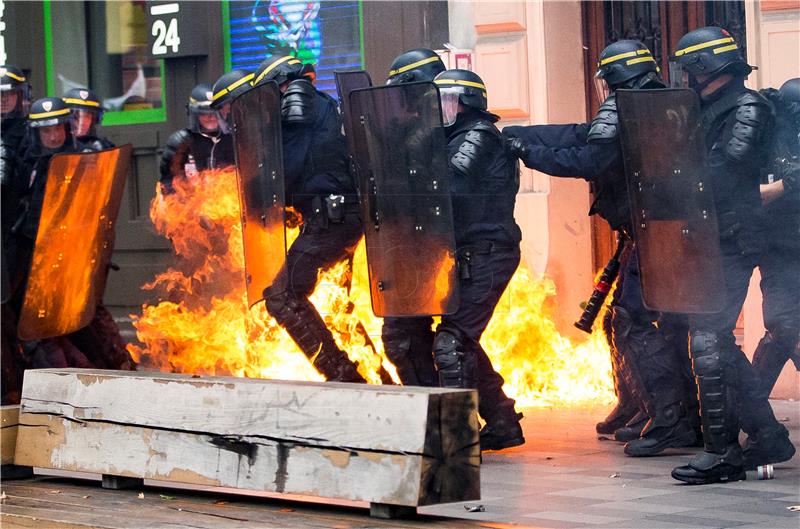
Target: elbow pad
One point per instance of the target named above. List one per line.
(297, 103)
(475, 149)
(177, 141)
(752, 124)
(604, 125)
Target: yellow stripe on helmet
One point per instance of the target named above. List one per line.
(413, 65)
(703, 45)
(446, 82)
(625, 55)
(289, 58)
(232, 87)
(73, 101)
(723, 49)
(638, 60)
(50, 114)
(12, 75)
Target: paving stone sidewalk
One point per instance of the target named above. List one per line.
(566, 477)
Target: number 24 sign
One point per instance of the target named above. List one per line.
(166, 20)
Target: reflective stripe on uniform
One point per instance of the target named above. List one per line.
(703, 45)
(73, 101)
(623, 56)
(413, 65)
(274, 64)
(232, 86)
(53, 113)
(638, 60)
(725, 48)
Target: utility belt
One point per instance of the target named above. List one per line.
(333, 209)
(464, 254)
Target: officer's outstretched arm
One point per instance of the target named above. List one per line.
(557, 136)
(571, 162)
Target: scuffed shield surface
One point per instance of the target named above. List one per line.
(672, 203)
(259, 170)
(401, 167)
(74, 242)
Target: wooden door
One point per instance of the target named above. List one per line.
(659, 25)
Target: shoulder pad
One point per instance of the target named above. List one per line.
(178, 138)
(297, 103)
(603, 128)
(477, 145)
(753, 120)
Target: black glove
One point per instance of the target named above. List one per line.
(516, 147)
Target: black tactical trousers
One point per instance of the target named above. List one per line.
(483, 277)
(653, 359)
(728, 384)
(321, 245)
(780, 288)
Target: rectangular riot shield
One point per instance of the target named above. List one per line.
(401, 160)
(346, 82)
(258, 150)
(74, 241)
(672, 203)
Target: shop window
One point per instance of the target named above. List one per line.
(103, 46)
(326, 34)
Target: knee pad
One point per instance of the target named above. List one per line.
(706, 359)
(454, 361)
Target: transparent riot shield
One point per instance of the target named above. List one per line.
(672, 204)
(401, 160)
(346, 82)
(259, 170)
(74, 242)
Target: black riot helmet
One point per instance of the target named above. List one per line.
(790, 91)
(706, 53)
(14, 83)
(283, 68)
(460, 86)
(226, 89)
(202, 118)
(45, 114)
(625, 64)
(229, 86)
(419, 64)
(86, 111)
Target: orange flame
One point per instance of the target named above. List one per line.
(203, 325)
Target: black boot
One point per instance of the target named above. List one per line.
(670, 428)
(768, 448)
(722, 460)
(707, 467)
(300, 319)
(633, 429)
(502, 434)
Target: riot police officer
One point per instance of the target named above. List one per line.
(780, 262)
(206, 143)
(86, 116)
(649, 364)
(319, 186)
(737, 123)
(419, 64)
(408, 342)
(484, 180)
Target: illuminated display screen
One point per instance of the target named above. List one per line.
(327, 34)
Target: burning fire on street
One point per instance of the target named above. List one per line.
(202, 324)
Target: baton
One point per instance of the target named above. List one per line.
(601, 289)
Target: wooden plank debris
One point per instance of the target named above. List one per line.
(9, 421)
(380, 444)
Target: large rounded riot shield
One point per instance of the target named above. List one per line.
(672, 203)
(74, 242)
(346, 82)
(401, 162)
(259, 170)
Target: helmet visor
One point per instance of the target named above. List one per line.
(224, 122)
(82, 122)
(204, 120)
(601, 88)
(449, 98)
